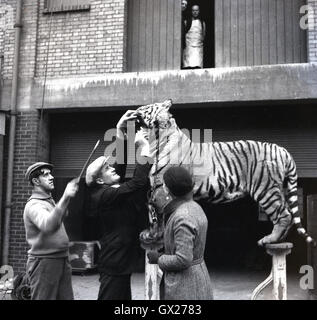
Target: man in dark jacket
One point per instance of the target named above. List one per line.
(120, 207)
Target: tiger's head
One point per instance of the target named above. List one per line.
(155, 115)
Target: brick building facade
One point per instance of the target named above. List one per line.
(82, 43)
(85, 53)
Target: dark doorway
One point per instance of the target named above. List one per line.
(233, 232)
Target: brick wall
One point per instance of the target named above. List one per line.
(28, 37)
(88, 42)
(7, 15)
(312, 33)
(27, 151)
(81, 43)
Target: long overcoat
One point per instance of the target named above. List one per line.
(185, 273)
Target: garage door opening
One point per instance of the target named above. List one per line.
(234, 228)
(233, 231)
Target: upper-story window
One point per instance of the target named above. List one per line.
(230, 33)
(197, 34)
(155, 34)
(65, 5)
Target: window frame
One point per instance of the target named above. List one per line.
(66, 6)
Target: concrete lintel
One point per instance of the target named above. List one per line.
(24, 94)
(285, 82)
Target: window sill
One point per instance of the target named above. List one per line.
(62, 9)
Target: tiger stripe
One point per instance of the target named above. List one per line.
(226, 171)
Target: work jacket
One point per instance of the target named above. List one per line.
(185, 273)
(122, 215)
(45, 234)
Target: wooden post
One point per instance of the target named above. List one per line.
(2, 133)
(151, 280)
(152, 271)
(279, 251)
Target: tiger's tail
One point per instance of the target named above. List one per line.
(292, 200)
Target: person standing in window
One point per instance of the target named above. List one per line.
(195, 30)
(184, 18)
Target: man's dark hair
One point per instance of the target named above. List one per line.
(36, 173)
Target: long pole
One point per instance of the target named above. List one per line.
(14, 99)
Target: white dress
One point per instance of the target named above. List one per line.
(194, 50)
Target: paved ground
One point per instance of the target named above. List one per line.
(228, 285)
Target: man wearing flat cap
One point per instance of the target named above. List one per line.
(120, 209)
(48, 267)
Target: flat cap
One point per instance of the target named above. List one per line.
(35, 166)
(94, 169)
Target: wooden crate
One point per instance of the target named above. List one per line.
(83, 255)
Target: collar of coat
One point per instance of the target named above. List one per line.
(174, 204)
(40, 195)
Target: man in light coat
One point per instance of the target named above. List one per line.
(48, 267)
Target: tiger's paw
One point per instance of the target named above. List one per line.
(261, 243)
(265, 240)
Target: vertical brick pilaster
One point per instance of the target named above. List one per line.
(29, 148)
(7, 13)
(312, 32)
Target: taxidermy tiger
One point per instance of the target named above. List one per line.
(226, 171)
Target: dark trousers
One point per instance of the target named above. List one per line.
(116, 287)
(50, 279)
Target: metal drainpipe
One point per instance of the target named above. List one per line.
(1, 158)
(14, 99)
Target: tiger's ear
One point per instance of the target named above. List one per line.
(167, 104)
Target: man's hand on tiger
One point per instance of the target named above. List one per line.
(130, 115)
